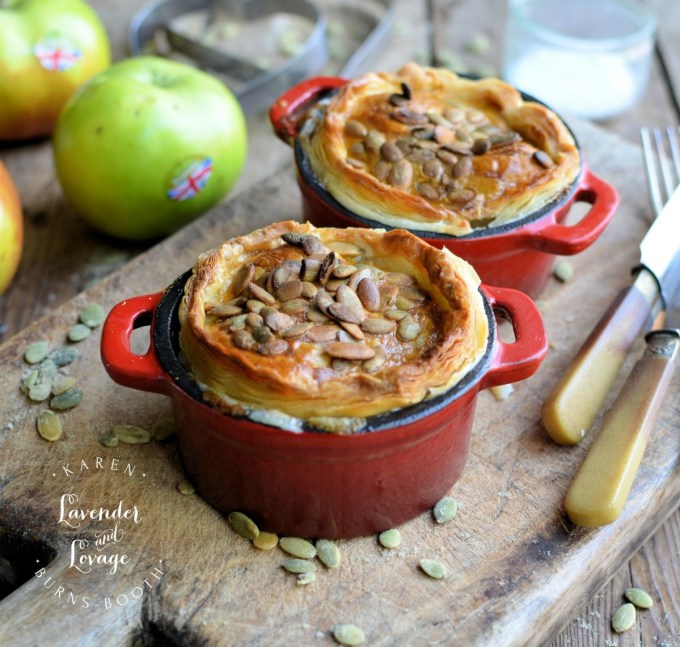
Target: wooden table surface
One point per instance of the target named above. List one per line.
(62, 256)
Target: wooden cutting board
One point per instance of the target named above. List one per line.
(518, 570)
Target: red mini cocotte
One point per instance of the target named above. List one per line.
(519, 254)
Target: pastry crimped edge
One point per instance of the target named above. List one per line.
(278, 390)
(357, 190)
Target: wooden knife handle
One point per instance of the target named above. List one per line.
(602, 484)
(573, 404)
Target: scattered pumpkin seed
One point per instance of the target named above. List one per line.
(502, 392)
(348, 634)
(305, 578)
(29, 380)
(445, 509)
(390, 538)
(92, 315)
(563, 271)
(62, 384)
(78, 332)
(163, 428)
(639, 598)
(63, 356)
(185, 487)
(265, 540)
(624, 618)
(108, 439)
(131, 434)
(296, 565)
(243, 525)
(328, 553)
(436, 570)
(40, 391)
(298, 547)
(49, 425)
(36, 352)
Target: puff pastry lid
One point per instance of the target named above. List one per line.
(428, 150)
(298, 326)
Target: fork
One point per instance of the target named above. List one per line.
(602, 484)
(575, 402)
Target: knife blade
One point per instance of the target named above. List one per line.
(601, 486)
(572, 406)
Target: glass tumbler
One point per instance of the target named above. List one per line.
(588, 58)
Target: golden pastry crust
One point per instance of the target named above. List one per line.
(428, 150)
(381, 321)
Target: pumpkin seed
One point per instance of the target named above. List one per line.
(63, 356)
(355, 129)
(445, 509)
(374, 140)
(388, 295)
(409, 117)
(413, 293)
(244, 276)
(40, 391)
(503, 139)
(390, 538)
(279, 321)
(461, 197)
(397, 99)
(315, 315)
(62, 384)
(368, 294)
(49, 425)
(543, 159)
(253, 320)
(289, 290)
(243, 525)
(265, 540)
(408, 328)
(305, 578)
(297, 330)
(333, 284)
(263, 334)
(185, 487)
(563, 271)
(108, 439)
(298, 547)
(378, 326)
(401, 174)
(403, 303)
(357, 148)
(624, 618)
(328, 265)
(274, 347)
(260, 294)
(455, 115)
(341, 364)
(312, 245)
(293, 238)
(254, 305)
(36, 352)
(328, 553)
(297, 565)
(223, 311)
(309, 269)
(344, 271)
(29, 380)
(447, 156)
(92, 315)
(347, 634)
(375, 363)
(462, 167)
(344, 312)
(638, 597)
(391, 152)
(381, 170)
(237, 323)
(295, 306)
(438, 119)
(78, 332)
(395, 314)
(421, 156)
(427, 191)
(67, 400)
(481, 146)
(433, 168)
(131, 434)
(436, 570)
(163, 429)
(349, 350)
(324, 333)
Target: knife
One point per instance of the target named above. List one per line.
(573, 404)
(602, 484)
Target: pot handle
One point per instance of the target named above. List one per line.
(520, 359)
(567, 240)
(142, 372)
(289, 110)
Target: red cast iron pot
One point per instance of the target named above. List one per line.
(314, 484)
(517, 255)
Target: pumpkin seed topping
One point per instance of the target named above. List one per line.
(390, 538)
(67, 400)
(185, 487)
(131, 434)
(445, 509)
(639, 598)
(266, 540)
(328, 553)
(348, 634)
(49, 425)
(92, 315)
(436, 570)
(36, 352)
(297, 565)
(624, 618)
(78, 332)
(298, 547)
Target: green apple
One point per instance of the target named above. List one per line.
(48, 48)
(147, 146)
(11, 229)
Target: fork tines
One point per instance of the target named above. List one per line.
(661, 150)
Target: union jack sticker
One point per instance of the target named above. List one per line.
(191, 181)
(57, 55)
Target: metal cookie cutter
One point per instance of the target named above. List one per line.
(258, 47)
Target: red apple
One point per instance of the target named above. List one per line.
(48, 48)
(11, 229)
